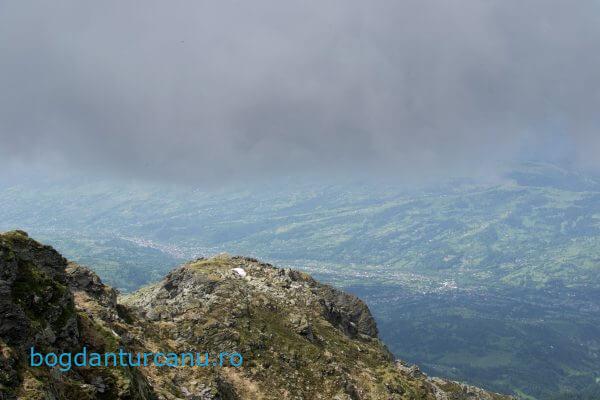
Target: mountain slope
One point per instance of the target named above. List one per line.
(299, 339)
(492, 283)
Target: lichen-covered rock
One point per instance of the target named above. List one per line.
(35, 304)
(299, 339)
(38, 309)
(81, 279)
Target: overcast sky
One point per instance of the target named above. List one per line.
(224, 89)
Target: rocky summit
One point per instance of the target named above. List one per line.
(299, 339)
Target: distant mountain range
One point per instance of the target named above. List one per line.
(492, 282)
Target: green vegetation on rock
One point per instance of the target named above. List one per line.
(300, 339)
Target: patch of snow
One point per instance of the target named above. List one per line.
(240, 271)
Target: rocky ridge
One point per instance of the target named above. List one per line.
(300, 339)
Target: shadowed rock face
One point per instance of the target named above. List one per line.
(39, 308)
(300, 339)
(34, 300)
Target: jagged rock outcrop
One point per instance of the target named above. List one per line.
(38, 308)
(299, 339)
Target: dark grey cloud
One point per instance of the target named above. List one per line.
(236, 89)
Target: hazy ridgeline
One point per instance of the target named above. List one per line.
(495, 283)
